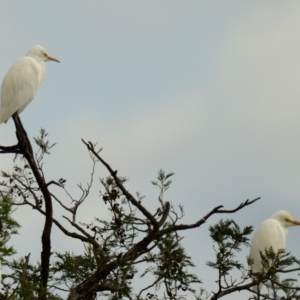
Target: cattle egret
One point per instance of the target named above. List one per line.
(21, 82)
(272, 232)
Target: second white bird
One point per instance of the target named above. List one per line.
(271, 233)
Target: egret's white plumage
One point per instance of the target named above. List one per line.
(21, 82)
(272, 232)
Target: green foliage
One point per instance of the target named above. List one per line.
(72, 269)
(171, 265)
(274, 264)
(229, 239)
(8, 225)
(128, 245)
(44, 145)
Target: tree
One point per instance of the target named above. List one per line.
(132, 242)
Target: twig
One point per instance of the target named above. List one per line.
(216, 210)
(113, 173)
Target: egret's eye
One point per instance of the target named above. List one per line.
(45, 54)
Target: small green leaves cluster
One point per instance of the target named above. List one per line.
(171, 267)
(229, 239)
(43, 144)
(20, 186)
(8, 228)
(274, 265)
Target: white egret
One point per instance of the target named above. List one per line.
(272, 232)
(21, 82)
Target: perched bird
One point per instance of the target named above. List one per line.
(272, 232)
(21, 82)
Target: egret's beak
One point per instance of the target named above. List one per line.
(294, 222)
(52, 58)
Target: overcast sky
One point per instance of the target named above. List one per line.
(208, 90)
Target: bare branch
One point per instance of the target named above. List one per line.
(24, 147)
(148, 287)
(144, 211)
(80, 229)
(216, 210)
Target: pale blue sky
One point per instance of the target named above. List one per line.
(208, 90)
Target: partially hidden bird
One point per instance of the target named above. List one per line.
(22, 81)
(271, 233)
